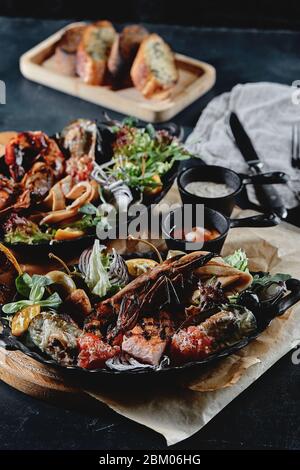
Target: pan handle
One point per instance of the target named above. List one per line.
(293, 285)
(261, 220)
(271, 177)
(6, 341)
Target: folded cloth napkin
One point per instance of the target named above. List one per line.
(268, 113)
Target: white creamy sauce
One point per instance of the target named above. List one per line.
(208, 189)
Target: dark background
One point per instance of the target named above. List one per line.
(232, 13)
(266, 415)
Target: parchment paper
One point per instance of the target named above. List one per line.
(179, 412)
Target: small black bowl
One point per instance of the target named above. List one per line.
(212, 220)
(219, 174)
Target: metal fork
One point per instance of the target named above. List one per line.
(296, 146)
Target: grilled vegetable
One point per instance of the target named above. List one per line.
(22, 319)
(78, 305)
(55, 336)
(68, 234)
(61, 283)
(139, 266)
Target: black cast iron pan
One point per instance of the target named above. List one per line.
(219, 174)
(264, 316)
(212, 220)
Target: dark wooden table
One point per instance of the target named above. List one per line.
(267, 414)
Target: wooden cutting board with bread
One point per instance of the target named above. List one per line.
(133, 71)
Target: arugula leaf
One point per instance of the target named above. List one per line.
(142, 154)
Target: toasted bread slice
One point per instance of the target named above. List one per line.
(65, 52)
(123, 53)
(70, 40)
(93, 52)
(154, 71)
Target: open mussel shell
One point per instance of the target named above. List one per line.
(272, 292)
(249, 300)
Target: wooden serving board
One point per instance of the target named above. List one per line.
(36, 379)
(195, 79)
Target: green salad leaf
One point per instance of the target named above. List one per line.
(37, 290)
(33, 288)
(97, 277)
(238, 260)
(143, 155)
(91, 218)
(15, 307)
(261, 281)
(130, 121)
(19, 236)
(24, 284)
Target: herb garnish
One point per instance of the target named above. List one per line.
(33, 289)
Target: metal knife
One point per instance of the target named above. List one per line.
(267, 195)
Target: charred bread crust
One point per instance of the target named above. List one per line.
(154, 70)
(66, 48)
(93, 52)
(123, 53)
(70, 40)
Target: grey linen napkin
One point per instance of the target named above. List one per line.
(267, 112)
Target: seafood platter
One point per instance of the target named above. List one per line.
(108, 315)
(52, 187)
